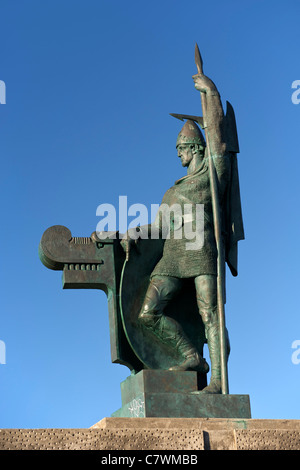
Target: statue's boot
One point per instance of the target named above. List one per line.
(213, 342)
(192, 360)
(160, 291)
(170, 333)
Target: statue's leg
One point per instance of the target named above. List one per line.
(160, 291)
(206, 289)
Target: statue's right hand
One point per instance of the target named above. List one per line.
(125, 244)
(203, 83)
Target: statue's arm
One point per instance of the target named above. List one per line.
(214, 116)
(215, 129)
(158, 229)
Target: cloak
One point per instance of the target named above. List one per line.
(233, 219)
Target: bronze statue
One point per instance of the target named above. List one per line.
(166, 297)
(177, 262)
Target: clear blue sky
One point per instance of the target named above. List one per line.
(89, 88)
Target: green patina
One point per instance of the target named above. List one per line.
(166, 301)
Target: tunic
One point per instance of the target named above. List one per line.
(177, 260)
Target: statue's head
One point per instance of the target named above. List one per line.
(190, 143)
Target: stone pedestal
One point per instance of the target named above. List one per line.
(175, 394)
(157, 435)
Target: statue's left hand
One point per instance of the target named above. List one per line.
(204, 84)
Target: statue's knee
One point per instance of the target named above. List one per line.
(209, 316)
(147, 318)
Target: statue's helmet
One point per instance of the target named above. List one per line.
(190, 134)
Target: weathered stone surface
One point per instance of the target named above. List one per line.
(203, 424)
(268, 439)
(223, 434)
(49, 439)
(161, 434)
(101, 439)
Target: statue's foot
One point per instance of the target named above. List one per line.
(213, 387)
(193, 362)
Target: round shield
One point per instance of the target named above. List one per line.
(133, 286)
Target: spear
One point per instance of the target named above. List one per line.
(218, 237)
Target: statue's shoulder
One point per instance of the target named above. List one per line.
(168, 196)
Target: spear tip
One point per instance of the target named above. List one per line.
(198, 59)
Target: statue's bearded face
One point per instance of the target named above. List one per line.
(185, 153)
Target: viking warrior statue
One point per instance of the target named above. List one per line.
(166, 293)
(199, 264)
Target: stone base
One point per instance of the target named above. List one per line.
(176, 394)
(160, 434)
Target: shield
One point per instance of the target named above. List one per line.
(134, 281)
